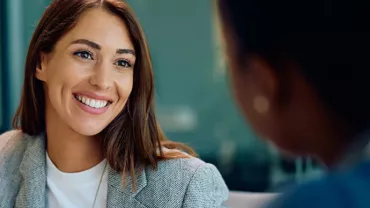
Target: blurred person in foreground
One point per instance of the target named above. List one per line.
(300, 74)
(88, 135)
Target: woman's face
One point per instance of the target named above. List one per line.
(88, 77)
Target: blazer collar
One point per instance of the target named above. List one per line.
(33, 171)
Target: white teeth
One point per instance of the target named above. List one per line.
(104, 103)
(97, 104)
(92, 102)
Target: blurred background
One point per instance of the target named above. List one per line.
(194, 103)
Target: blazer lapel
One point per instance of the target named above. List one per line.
(32, 168)
(124, 197)
(32, 192)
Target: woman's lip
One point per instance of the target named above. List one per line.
(94, 96)
(91, 110)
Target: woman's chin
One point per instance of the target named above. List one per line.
(88, 130)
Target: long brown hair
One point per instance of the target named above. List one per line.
(134, 138)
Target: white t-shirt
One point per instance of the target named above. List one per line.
(76, 190)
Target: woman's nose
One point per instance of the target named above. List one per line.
(101, 78)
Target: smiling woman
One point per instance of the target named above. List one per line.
(87, 132)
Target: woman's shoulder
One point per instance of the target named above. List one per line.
(187, 181)
(13, 145)
(12, 150)
(9, 138)
(190, 170)
(187, 164)
(184, 165)
(187, 170)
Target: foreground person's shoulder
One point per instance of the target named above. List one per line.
(340, 189)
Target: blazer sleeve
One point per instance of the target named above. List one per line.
(206, 189)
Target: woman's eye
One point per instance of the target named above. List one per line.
(123, 63)
(84, 55)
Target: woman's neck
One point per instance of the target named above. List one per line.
(69, 150)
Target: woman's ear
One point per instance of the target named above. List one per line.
(41, 68)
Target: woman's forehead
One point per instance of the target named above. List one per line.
(101, 27)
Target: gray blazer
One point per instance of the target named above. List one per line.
(176, 183)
